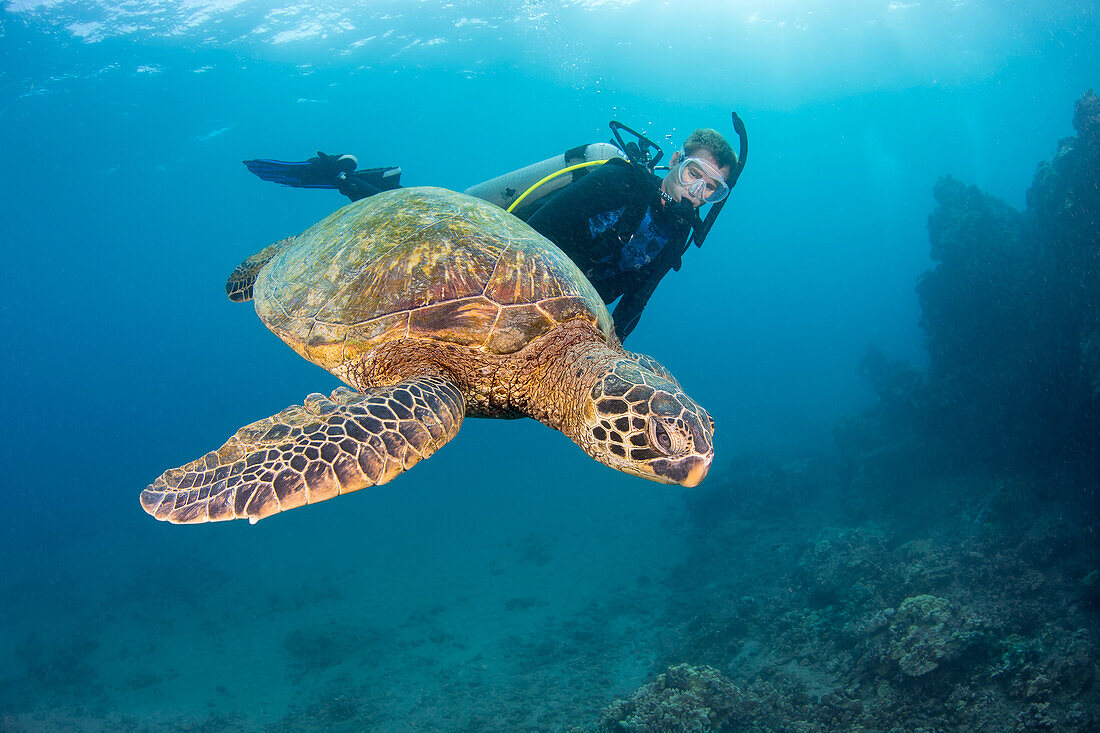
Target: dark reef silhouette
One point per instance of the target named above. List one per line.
(1011, 316)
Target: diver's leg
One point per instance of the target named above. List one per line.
(356, 188)
(364, 183)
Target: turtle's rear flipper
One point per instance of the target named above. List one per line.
(239, 285)
(306, 454)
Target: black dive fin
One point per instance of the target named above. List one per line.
(298, 174)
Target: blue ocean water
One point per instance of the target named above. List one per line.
(463, 595)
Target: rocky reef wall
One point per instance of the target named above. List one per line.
(1011, 316)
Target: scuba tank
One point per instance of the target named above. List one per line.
(506, 191)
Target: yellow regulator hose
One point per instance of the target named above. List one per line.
(555, 174)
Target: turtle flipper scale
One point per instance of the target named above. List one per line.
(312, 452)
(239, 285)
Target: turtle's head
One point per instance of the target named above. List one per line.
(639, 421)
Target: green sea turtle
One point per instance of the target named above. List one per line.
(433, 305)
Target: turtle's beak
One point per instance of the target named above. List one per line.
(697, 472)
(687, 471)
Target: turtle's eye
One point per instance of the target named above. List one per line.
(661, 437)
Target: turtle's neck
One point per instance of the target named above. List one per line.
(559, 373)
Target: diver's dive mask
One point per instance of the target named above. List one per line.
(702, 181)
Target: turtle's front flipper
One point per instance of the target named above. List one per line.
(239, 285)
(306, 454)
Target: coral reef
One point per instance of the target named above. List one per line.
(684, 699)
(927, 631)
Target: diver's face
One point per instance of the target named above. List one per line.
(674, 186)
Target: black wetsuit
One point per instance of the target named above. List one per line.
(615, 226)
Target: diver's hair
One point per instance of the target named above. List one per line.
(707, 138)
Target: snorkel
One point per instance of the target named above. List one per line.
(701, 231)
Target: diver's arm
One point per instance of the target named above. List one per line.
(640, 286)
(629, 309)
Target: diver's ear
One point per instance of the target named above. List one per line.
(675, 159)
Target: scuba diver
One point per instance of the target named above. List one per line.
(622, 224)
